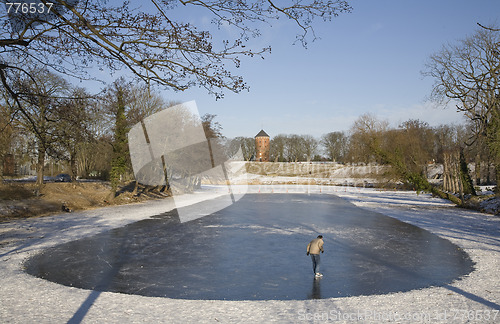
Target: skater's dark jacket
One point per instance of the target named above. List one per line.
(315, 246)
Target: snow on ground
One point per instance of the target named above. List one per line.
(473, 299)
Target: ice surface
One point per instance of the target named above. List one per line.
(255, 250)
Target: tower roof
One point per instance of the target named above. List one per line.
(262, 133)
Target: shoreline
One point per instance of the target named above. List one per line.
(29, 299)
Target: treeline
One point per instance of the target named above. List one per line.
(409, 148)
(59, 124)
(357, 144)
(53, 127)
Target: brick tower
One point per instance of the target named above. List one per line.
(262, 147)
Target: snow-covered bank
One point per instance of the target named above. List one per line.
(475, 298)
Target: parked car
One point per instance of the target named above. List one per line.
(63, 177)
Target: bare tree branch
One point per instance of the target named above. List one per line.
(488, 28)
(153, 45)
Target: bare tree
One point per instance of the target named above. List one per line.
(73, 36)
(365, 134)
(40, 96)
(94, 158)
(447, 138)
(294, 148)
(419, 140)
(407, 150)
(74, 126)
(310, 145)
(144, 102)
(468, 73)
(247, 145)
(211, 127)
(6, 134)
(335, 145)
(278, 148)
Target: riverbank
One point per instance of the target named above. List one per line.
(17, 199)
(21, 199)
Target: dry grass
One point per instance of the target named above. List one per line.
(20, 200)
(16, 191)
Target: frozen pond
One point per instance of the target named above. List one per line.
(256, 250)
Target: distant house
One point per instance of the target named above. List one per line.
(262, 147)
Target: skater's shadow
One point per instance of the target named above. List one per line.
(316, 289)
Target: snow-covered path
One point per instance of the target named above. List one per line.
(474, 299)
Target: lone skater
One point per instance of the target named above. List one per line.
(313, 248)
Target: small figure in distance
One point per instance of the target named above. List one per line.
(313, 248)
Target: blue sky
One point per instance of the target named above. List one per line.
(367, 61)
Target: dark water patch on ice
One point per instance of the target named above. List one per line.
(256, 250)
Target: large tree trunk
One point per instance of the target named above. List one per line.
(74, 170)
(477, 170)
(446, 173)
(118, 161)
(39, 168)
(466, 184)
